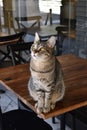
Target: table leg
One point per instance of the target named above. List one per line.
(62, 122)
(74, 122)
(53, 120)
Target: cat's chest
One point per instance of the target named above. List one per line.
(42, 70)
(42, 66)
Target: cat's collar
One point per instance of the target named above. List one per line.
(41, 71)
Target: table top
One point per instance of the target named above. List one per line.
(45, 31)
(16, 78)
(5, 40)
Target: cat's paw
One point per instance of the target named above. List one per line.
(39, 109)
(52, 106)
(46, 109)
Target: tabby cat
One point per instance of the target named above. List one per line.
(46, 84)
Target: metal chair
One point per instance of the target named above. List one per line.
(78, 119)
(20, 52)
(60, 38)
(8, 40)
(5, 41)
(34, 19)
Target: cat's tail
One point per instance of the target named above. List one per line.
(62, 92)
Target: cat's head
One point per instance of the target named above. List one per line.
(42, 50)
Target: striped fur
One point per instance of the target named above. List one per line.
(46, 84)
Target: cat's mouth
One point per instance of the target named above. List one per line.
(34, 56)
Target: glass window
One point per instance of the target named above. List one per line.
(45, 5)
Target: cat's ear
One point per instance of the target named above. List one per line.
(51, 42)
(37, 39)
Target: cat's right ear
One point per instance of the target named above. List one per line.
(51, 42)
(37, 39)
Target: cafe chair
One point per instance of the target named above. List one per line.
(77, 119)
(5, 41)
(9, 40)
(20, 52)
(22, 120)
(60, 38)
(33, 20)
(20, 55)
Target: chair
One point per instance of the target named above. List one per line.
(60, 38)
(8, 40)
(34, 19)
(78, 119)
(20, 52)
(22, 120)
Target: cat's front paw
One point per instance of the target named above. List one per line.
(52, 106)
(39, 109)
(46, 109)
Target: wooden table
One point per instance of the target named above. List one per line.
(75, 76)
(16, 78)
(46, 31)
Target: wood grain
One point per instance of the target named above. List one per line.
(75, 77)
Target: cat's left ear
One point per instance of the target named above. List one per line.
(37, 39)
(51, 42)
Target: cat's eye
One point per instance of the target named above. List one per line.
(40, 48)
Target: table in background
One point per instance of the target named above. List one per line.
(45, 31)
(16, 78)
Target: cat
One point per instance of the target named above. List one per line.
(46, 85)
